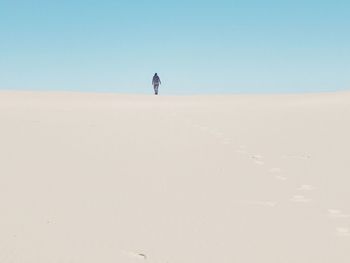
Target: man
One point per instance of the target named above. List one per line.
(155, 82)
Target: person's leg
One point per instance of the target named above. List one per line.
(156, 89)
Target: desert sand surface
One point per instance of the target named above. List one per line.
(174, 179)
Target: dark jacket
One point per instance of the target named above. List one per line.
(156, 80)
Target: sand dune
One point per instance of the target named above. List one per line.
(169, 179)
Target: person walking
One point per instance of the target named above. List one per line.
(156, 82)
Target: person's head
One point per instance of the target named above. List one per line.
(155, 74)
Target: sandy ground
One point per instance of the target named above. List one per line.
(136, 178)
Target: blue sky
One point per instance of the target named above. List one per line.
(195, 46)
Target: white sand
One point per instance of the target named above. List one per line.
(238, 178)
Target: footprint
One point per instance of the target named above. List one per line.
(136, 255)
(306, 187)
(259, 203)
(304, 157)
(300, 199)
(281, 177)
(343, 231)
(259, 162)
(275, 170)
(297, 156)
(257, 159)
(334, 213)
(143, 256)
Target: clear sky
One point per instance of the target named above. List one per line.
(195, 46)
